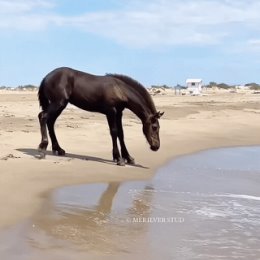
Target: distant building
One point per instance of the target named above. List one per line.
(242, 87)
(194, 86)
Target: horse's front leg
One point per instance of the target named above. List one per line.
(111, 118)
(126, 156)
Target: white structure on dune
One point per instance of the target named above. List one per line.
(194, 86)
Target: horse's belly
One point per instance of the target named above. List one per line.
(87, 105)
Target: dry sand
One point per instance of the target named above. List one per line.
(190, 124)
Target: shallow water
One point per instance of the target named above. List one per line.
(201, 206)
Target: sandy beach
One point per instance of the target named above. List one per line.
(190, 124)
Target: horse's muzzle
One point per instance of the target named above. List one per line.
(154, 147)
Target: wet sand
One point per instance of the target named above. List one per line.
(201, 206)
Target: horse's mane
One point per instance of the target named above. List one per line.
(137, 88)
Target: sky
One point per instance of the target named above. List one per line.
(155, 42)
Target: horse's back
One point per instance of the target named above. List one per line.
(97, 93)
(74, 77)
(84, 90)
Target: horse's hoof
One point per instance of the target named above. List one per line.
(42, 154)
(120, 162)
(59, 152)
(131, 161)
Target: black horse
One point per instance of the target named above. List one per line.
(108, 95)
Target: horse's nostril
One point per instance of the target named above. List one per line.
(154, 148)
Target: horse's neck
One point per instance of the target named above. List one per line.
(141, 111)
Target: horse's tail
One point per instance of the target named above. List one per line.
(43, 100)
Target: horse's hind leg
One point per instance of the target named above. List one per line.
(44, 142)
(126, 156)
(53, 113)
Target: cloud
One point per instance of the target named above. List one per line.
(143, 23)
(169, 22)
(25, 14)
(252, 46)
(22, 6)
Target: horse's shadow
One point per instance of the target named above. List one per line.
(35, 153)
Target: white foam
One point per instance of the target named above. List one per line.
(211, 213)
(239, 196)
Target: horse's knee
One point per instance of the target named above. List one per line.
(42, 116)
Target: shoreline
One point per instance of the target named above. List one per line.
(190, 125)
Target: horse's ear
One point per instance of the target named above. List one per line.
(159, 114)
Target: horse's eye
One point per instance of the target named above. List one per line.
(154, 128)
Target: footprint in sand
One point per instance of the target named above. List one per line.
(9, 156)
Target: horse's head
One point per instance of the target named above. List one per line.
(151, 129)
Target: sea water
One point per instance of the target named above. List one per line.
(200, 206)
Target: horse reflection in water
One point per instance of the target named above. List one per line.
(99, 229)
(109, 95)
